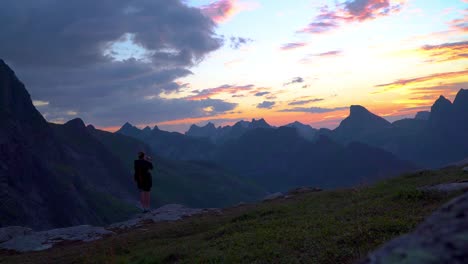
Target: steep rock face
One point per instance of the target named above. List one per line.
(360, 123)
(42, 180)
(15, 101)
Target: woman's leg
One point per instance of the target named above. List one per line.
(148, 200)
(142, 200)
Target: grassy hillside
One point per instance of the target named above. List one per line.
(326, 227)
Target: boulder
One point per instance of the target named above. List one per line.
(465, 169)
(441, 238)
(37, 241)
(7, 233)
(273, 196)
(304, 190)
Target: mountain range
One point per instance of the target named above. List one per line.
(54, 175)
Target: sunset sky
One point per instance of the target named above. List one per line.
(175, 63)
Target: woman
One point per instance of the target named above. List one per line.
(143, 179)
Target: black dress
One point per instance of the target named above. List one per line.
(143, 175)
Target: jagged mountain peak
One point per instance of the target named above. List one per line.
(260, 123)
(15, 101)
(441, 107)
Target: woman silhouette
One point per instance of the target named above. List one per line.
(142, 176)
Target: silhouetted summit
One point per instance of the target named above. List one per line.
(260, 123)
(360, 122)
(76, 123)
(460, 104)
(15, 101)
(208, 131)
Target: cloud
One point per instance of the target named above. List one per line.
(293, 45)
(446, 51)
(329, 53)
(303, 102)
(266, 105)
(351, 11)
(95, 56)
(262, 93)
(222, 10)
(294, 80)
(315, 110)
(460, 24)
(432, 77)
(237, 42)
(223, 89)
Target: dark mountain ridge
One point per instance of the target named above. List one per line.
(433, 141)
(54, 175)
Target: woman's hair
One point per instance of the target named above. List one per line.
(141, 155)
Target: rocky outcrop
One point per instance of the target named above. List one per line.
(22, 239)
(170, 212)
(441, 238)
(447, 187)
(38, 241)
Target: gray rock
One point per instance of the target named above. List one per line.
(465, 169)
(170, 212)
(273, 196)
(303, 190)
(441, 238)
(37, 241)
(446, 187)
(7, 233)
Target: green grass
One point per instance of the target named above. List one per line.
(339, 226)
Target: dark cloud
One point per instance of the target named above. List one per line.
(237, 42)
(262, 93)
(294, 80)
(350, 11)
(293, 45)
(266, 105)
(316, 110)
(303, 102)
(65, 51)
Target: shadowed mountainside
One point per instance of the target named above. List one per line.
(55, 175)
